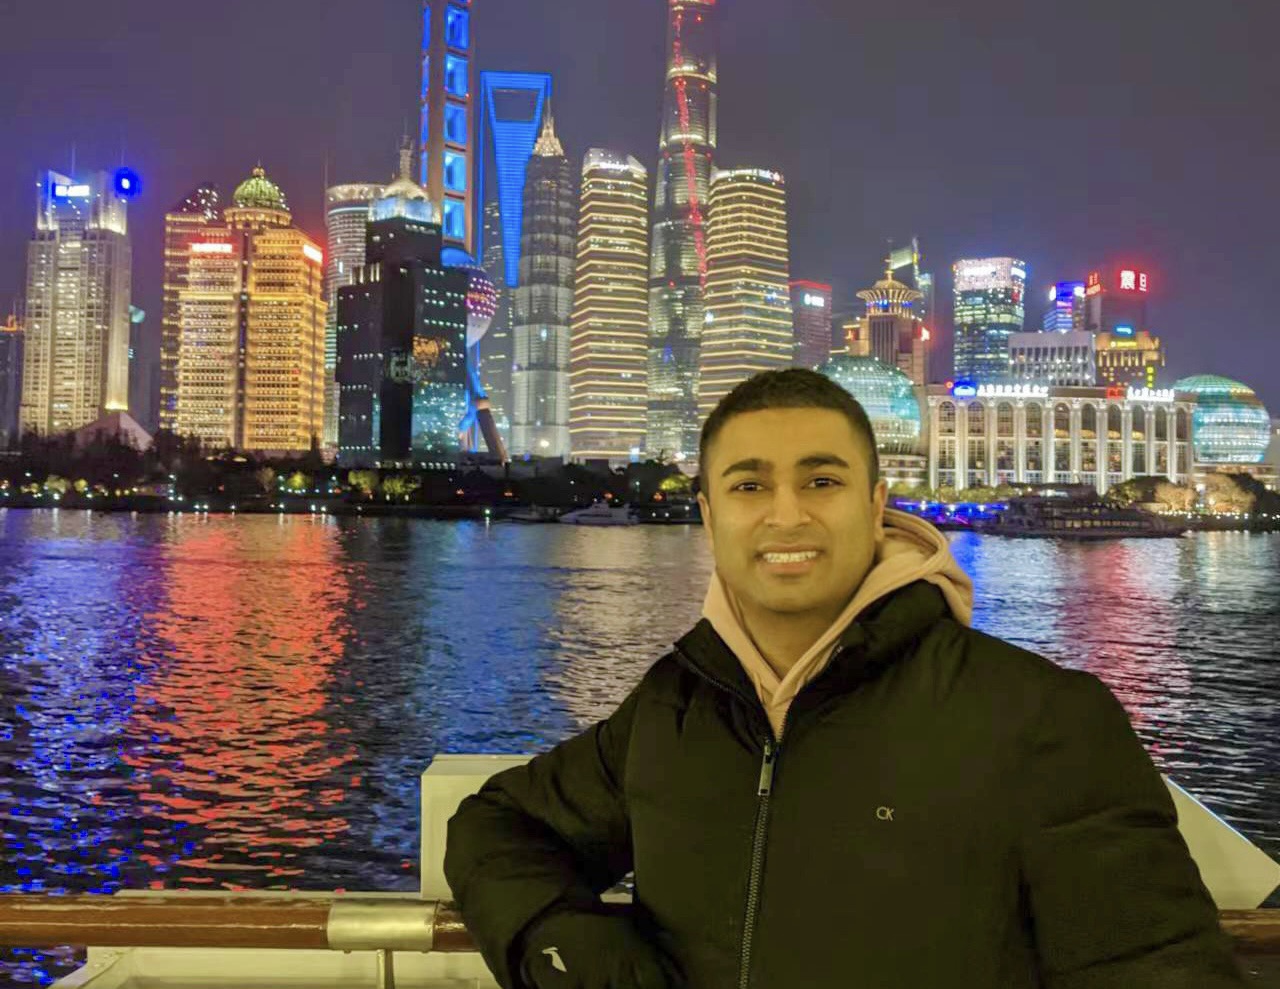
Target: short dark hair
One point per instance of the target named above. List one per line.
(792, 388)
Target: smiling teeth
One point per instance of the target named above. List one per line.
(788, 557)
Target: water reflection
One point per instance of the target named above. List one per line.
(216, 702)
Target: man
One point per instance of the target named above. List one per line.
(832, 781)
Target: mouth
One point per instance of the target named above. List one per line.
(795, 562)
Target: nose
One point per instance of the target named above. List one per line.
(785, 509)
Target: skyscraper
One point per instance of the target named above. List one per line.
(511, 110)
(609, 354)
(904, 266)
(748, 298)
(891, 331)
(544, 303)
(445, 134)
(79, 279)
(811, 316)
(1128, 357)
(1065, 313)
(144, 370)
(678, 248)
(346, 218)
(1056, 358)
(495, 348)
(11, 345)
(402, 338)
(182, 227)
(989, 307)
(251, 329)
(1116, 299)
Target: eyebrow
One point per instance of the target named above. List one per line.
(755, 465)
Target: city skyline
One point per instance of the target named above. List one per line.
(1145, 195)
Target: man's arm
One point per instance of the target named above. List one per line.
(553, 833)
(1116, 899)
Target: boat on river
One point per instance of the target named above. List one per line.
(601, 513)
(274, 939)
(1078, 517)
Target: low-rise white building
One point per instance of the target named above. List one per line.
(988, 435)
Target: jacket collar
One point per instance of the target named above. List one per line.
(878, 638)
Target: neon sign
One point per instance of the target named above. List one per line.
(964, 389)
(1150, 395)
(211, 248)
(816, 301)
(313, 253)
(72, 191)
(1013, 391)
(1133, 281)
(1123, 331)
(1094, 285)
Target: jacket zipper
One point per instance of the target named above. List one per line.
(764, 790)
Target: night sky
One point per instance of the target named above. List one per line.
(1073, 135)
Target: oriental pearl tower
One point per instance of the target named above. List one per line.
(482, 305)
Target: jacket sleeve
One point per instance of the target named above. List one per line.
(1116, 899)
(552, 833)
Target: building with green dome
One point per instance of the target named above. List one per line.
(1230, 425)
(893, 408)
(258, 202)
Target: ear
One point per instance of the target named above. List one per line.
(879, 499)
(704, 506)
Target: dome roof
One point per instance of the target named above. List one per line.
(259, 192)
(1230, 425)
(887, 395)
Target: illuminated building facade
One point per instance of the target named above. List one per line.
(346, 219)
(1116, 301)
(544, 303)
(678, 246)
(891, 331)
(992, 434)
(183, 226)
(1053, 358)
(446, 132)
(609, 347)
(11, 347)
(1230, 423)
(811, 322)
(1065, 313)
(512, 106)
(402, 338)
(495, 348)
(749, 325)
(1128, 357)
(79, 279)
(989, 307)
(251, 329)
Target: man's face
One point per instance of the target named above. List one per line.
(791, 481)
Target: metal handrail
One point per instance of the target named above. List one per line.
(323, 921)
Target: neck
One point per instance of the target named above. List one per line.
(783, 639)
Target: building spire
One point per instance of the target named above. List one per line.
(548, 145)
(406, 158)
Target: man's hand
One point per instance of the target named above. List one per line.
(579, 950)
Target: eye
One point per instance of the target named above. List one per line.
(745, 485)
(827, 481)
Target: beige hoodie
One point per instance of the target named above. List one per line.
(912, 550)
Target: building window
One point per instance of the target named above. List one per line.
(455, 220)
(1062, 422)
(1004, 420)
(457, 28)
(977, 419)
(455, 124)
(947, 419)
(455, 171)
(1035, 422)
(456, 81)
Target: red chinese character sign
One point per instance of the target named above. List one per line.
(1132, 281)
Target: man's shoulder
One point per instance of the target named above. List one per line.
(1005, 663)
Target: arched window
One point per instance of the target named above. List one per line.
(1089, 423)
(1035, 420)
(977, 419)
(1062, 422)
(947, 419)
(1004, 420)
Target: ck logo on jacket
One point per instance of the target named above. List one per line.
(884, 813)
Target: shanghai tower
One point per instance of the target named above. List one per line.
(678, 252)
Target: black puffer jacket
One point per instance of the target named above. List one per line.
(943, 809)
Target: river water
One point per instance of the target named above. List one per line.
(247, 702)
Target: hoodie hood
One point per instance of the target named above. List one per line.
(912, 550)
